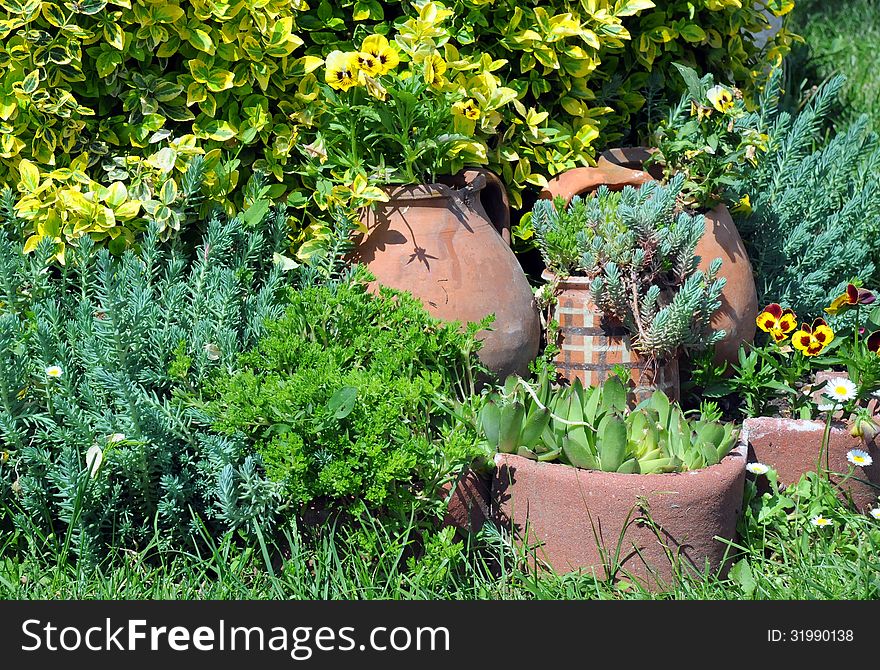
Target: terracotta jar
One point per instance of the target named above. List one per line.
(618, 168)
(449, 245)
(656, 525)
(590, 345)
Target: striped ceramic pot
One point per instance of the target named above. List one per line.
(590, 345)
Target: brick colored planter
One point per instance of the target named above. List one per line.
(617, 168)
(590, 345)
(791, 447)
(468, 506)
(573, 512)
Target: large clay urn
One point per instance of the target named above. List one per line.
(449, 245)
(618, 168)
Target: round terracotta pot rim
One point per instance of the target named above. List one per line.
(607, 155)
(571, 281)
(739, 451)
(432, 191)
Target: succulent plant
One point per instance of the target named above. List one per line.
(591, 428)
(638, 249)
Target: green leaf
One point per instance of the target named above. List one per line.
(86, 6)
(692, 33)
(342, 402)
(510, 427)
(30, 175)
(613, 394)
(630, 7)
(220, 80)
(254, 214)
(612, 443)
(201, 41)
(578, 453)
(168, 192)
(114, 35)
(741, 574)
(30, 82)
(534, 427)
(490, 420)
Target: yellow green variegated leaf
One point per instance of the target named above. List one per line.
(114, 34)
(201, 40)
(220, 80)
(114, 195)
(32, 243)
(692, 32)
(168, 192)
(195, 92)
(128, 210)
(29, 176)
(218, 130)
(30, 82)
(630, 7)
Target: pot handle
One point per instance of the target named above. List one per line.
(580, 181)
(493, 197)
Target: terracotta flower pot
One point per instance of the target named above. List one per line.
(791, 447)
(448, 245)
(590, 345)
(618, 168)
(653, 524)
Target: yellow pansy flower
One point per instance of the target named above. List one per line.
(380, 49)
(434, 66)
(721, 98)
(467, 108)
(342, 70)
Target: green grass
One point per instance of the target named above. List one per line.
(779, 555)
(842, 36)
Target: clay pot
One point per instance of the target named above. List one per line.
(622, 167)
(591, 345)
(448, 245)
(791, 447)
(583, 519)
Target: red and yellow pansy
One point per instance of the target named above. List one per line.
(776, 321)
(811, 340)
(873, 342)
(852, 297)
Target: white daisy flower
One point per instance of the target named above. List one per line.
(94, 458)
(875, 513)
(758, 468)
(841, 390)
(54, 371)
(821, 521)
(859, 457)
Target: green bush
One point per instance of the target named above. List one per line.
(813, 222)
(98, 450)
(104, 105)
(339, 397)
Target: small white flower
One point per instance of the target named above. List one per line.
(875, 513)
(54, 371)
(841, 390)
(826, 406)
(94, 458)
(821, 521)
(859, 457)
(115, 437)
(758, 468)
